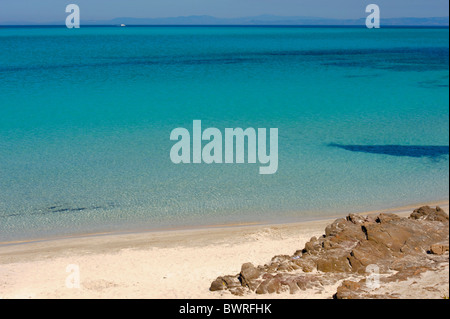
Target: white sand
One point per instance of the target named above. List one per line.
(171, 264)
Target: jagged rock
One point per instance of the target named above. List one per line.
(281, 258)
(306, 265)
(307, 282)
(231, 281)
(333, 263)
(431, 214)
(439, 249)
(249, 272)
(346, 290)
(269, 286)
(335, 228)
(226, 282)
(365, 254)
(361, 290)
(349, 246)
(287, 266)
(312, 247)
(407, 272)
(218, 284)
(248, 276)
(392, 236)
(386, 218)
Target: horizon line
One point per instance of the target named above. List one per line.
(224, 25)
(287, 19)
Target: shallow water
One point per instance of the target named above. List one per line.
(86, 115)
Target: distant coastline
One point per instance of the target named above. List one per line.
(256, 21)
(227, 26)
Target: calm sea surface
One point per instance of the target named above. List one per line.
(86, 115)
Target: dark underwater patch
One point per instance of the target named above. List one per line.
(430, 84)
(395, 59)
(397, 150)
(130, 62)
(64, 209)
(401, 60)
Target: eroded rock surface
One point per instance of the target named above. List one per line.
(395, 248)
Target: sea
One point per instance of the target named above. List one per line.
(86, 116)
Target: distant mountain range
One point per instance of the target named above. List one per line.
(257, 20)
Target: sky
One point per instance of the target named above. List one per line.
(54, 10)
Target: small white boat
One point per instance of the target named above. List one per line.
(123, 25)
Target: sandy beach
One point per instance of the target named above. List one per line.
(168, 264)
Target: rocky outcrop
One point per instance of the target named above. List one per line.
(395, 248)
(431, 214)
(439, 249)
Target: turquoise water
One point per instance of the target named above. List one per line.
(86, 115)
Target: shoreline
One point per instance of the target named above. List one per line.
(397, 209)
(165, 264)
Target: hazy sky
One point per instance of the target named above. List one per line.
(54, 10)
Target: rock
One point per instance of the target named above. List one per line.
(307, 282)
(231, 281)
(287, 266)
(281, 258)
(240, 291)
(218, 284)
(368, 253)
(333, 263)
(391, 236)
(431, 214)
(346, 290)
(248, 276)
(312, 247)
(249, 272)
(305, 264)
(335, 228)
(386, 218)
(439, 249)
(347, 248)
(269, 286)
